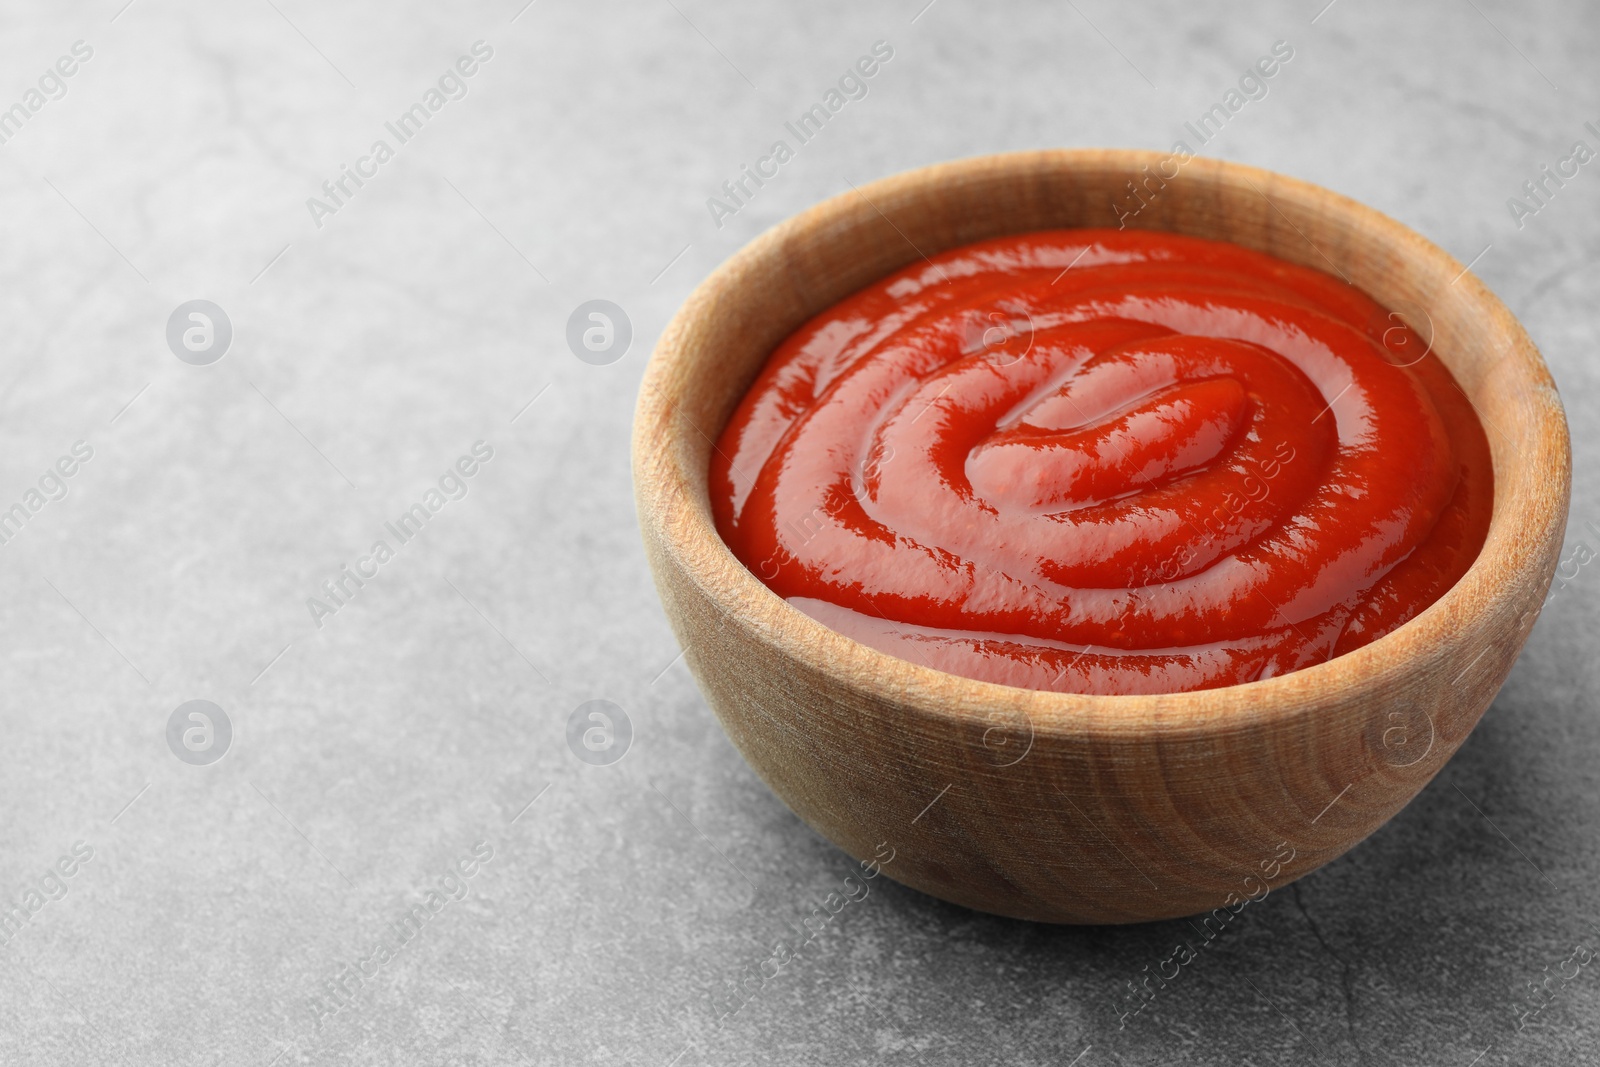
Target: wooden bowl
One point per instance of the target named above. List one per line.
(1089, 809)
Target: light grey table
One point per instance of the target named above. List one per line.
(321, 894)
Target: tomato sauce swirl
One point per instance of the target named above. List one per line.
(1104, 461)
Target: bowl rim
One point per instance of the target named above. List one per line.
(1503, 564)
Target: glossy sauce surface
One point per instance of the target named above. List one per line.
(1105, 461)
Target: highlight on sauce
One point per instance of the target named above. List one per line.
(1106, 461)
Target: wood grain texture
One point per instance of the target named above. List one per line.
(1089, 809)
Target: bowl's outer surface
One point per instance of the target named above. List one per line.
(1090, 809)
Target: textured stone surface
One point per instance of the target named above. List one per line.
(374, 753)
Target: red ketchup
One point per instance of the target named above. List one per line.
(1103, 461)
